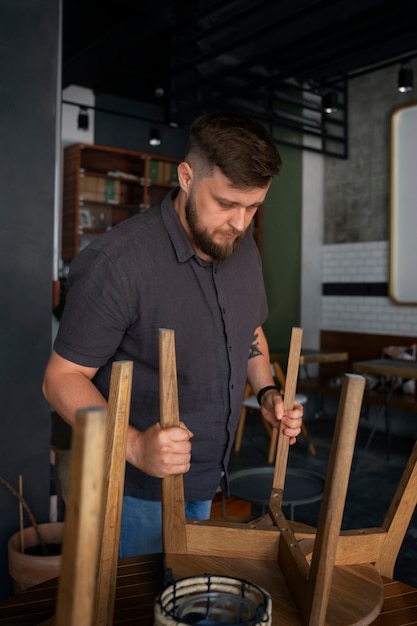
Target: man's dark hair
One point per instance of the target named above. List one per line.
(239, 146)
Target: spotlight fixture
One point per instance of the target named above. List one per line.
(405, 79)
(83, 119)
(329, 102)
(155, 139)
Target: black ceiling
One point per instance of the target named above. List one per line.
(237, 53)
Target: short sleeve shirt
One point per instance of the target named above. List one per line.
(144, 275)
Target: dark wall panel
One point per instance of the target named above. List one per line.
(29, 35)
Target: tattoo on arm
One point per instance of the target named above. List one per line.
(254, 347)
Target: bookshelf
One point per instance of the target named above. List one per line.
(103, 186)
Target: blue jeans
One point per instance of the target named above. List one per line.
(141, 528)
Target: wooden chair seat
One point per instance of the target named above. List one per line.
(269, 576)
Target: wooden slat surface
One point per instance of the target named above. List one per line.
(140, 579)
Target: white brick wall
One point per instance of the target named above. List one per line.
(362, 262)
(355, 262)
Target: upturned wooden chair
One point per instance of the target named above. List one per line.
(316, 577)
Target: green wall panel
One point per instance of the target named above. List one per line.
(281, 249)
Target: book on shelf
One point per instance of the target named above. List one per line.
(98, 189)
(153, 170)
(163, 172)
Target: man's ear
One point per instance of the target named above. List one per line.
(185, 176)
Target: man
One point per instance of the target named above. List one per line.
(190, 265)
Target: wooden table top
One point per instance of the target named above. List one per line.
(387, 367)
(312, 356)
(140, 579)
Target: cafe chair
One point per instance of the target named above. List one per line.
(316, 577)
(87, 581)
(251, 403)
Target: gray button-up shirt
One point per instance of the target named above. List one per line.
(144, 275)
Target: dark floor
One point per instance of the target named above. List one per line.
(372, 482)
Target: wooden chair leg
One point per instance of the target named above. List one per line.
(279, 375)
(272, 445)
(398, 517)
(174, 536)
(240, 429)
(82, 530)
(311, 446)
(274, 438)
(118, 421)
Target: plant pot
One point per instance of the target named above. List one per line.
(27, 570)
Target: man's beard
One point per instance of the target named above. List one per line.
(202, 240)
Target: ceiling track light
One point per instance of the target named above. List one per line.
(83, 119)
(405, 79)
(329, 102)
(155, 139)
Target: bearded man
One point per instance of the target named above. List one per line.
(190, 264)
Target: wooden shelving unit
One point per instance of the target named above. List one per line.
(104, 186)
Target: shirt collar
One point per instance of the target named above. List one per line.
(182, 246)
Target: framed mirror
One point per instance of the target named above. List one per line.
(403, 206)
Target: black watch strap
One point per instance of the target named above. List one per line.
(263, 391)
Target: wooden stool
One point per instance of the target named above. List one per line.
(315, 576)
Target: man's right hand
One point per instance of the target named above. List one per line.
(160, 451)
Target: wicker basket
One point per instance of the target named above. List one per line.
(208, 599)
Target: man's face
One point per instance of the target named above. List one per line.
(218, 214)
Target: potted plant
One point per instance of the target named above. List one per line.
(34, 553)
